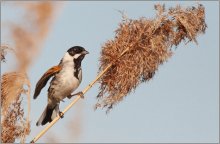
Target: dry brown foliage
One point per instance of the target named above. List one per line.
(14, 125)
(28, 38)
(12, 86)
(149, 43)
(13, 121)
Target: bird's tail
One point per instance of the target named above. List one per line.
(48, 115)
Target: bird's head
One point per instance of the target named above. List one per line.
(75, 53)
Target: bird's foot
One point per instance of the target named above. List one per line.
(61, 114)
(79, 93)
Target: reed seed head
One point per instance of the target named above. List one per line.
(13, 124)
(149, 43)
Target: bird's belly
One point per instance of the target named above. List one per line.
(64, 84)
(68, 85)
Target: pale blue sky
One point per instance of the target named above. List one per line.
(181, 102)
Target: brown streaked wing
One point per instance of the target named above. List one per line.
(43, 80)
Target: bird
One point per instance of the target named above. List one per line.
(66, 78)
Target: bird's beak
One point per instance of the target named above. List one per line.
(85, 52)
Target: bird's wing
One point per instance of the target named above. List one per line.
(43, 80)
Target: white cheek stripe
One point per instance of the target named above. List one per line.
(76, 56)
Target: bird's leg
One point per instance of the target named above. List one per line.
(79, 93)
(57, 109)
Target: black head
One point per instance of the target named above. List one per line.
(77, 50)
(77, 54)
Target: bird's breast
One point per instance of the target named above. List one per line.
(65, 82)
(68, 79)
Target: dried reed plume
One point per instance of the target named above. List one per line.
(14, 125)
(12, 86)
(149, 44)
(27, 41)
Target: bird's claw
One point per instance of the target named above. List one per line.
(61, 114)
(81, 95)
